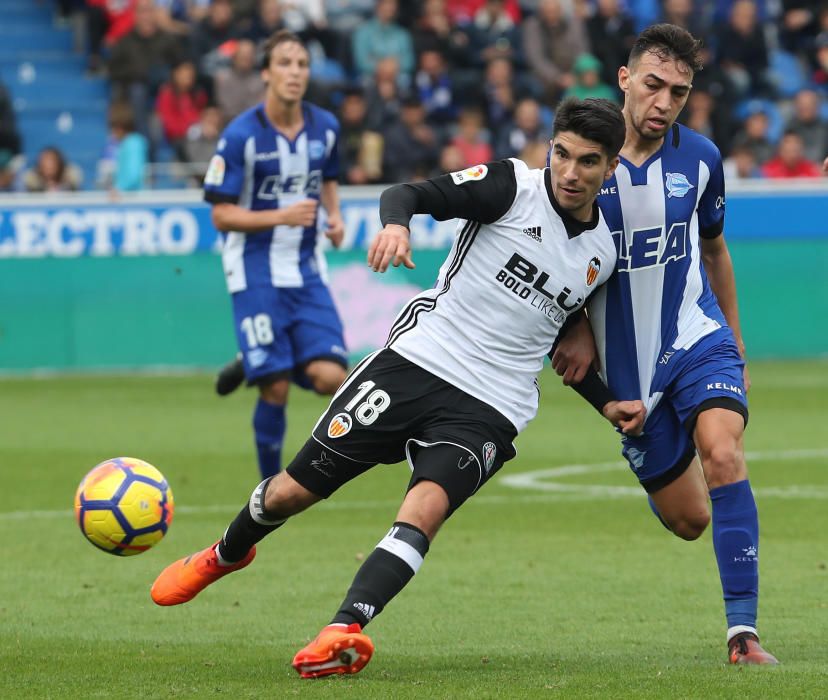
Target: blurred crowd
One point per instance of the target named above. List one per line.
(428, 86)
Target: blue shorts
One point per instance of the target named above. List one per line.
(279, 330)
(708, 375)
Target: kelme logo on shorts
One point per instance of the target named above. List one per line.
(340, 425)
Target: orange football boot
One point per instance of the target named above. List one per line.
(744, 648)
(183, 580)
(336, 649)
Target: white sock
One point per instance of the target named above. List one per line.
(738, 629)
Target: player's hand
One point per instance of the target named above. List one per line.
(391, 245)
(575, 353)
(300, 214)
(335, 230)
(627, 415)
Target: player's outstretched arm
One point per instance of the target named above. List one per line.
(232, 217)
(627, 415)
(390, 246)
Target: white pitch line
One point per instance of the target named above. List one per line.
(541, 481)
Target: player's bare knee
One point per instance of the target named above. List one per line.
(286, 497)
(691, 526)
(723, 464)
(328, 382)
(275, 393)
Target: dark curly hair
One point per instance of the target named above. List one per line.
(668, 41)
(594, 119)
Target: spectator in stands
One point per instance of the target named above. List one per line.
(610, 34)
(107, 22)
(125, 162)
(360, 148)
(472, 139)
(551, 42)
(687, 14)
(790, 160)
(465, 11)
(743, 52)
(267, 21)
(535, 153)
(308, 19)
(500, 93)
(754, 136)
(141, 61)
(433, 29)
(588, 83)
(8, 170)
(239, 86)
(434, 87)
(52, 173)
(381, 37)
(494, 33)
(807, 121)
(451, 159)
(214, 38)
(741, 164)
(201, 142)
(383, 94)
(411, 146)
(799, 24)
(526, 127)
(9, 136)
(820, 60)
(180, 16)
(179, 105)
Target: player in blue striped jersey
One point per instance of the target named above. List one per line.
(666, 325)
(274, 165)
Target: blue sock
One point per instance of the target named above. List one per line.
(656, 513)
(269, 428)
(736, 543)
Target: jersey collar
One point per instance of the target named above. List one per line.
(572, 225)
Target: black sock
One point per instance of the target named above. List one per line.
(384, 573)
(252, 524)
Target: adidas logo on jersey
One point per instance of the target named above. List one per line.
(534, 232)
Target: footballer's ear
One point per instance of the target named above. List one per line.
(611, 166)
(624, 78)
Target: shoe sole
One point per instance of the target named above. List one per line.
(350, 654)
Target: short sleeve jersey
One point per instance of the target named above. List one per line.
(519, 266)
(660, 300)
(257, 167)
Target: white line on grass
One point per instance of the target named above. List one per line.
(542, 482)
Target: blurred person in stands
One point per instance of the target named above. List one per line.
(107, 21)
(179, 105)
(472, 138)
(51, 173)
(753, 135)
(790, 160)
(381, 37)
(552, 41)
(266, 21)
(534, 154)
(799, 24)
(808, 122)
(9, 135)
(239, 86)
(588, 83)
(741, 165)
(383, 94)
(742, 50)
(611, 35)
(688, 14)
(819, 59)
(412, 148)
(8, 171)
(434, 86)
(360, 148)
(202, 140)
(214, 37)
(527, 126)
(180, 16)
(124, 163)
(141, 61)
(494, 33)
(501, 91)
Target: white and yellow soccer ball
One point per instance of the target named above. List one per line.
(124, 506)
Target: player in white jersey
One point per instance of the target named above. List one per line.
(667, 326)
(273, 165)
(456, 381)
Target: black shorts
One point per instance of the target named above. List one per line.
(390, 409)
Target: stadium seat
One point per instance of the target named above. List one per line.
(786, 73)
(776, 122)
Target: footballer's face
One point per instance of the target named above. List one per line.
(578, 168)
(655, 91)
(288, 72)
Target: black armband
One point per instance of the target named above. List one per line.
(593, 389)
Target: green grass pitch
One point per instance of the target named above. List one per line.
(563, 585)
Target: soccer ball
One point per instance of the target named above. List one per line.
(124, 506)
